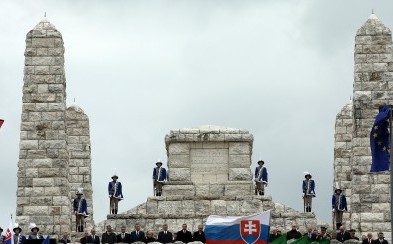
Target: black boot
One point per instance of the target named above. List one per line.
(81, 228)
(115, 211)
(112, 211)
(256, 192)
(261, 193)
(338, 226)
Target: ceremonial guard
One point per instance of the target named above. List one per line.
(34, 232)
(308, 191)
(115, 194)
(260, 178)
(80, 210)
(18, 237)
(339, 205)
(159, 177)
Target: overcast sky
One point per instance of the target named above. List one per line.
(280, 69)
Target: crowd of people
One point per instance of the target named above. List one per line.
(314, 234)
(138, 235)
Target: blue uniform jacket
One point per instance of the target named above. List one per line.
(261, 177)
(115, 193)
(311, 190)
(161, 177)
(342, 202)
(83, 207)
(22, 239)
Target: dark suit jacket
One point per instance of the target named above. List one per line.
(366, 241)
(199, 236)
(83, 240)
(313, 236)
(184, 237)
(126, 239)
(139, 237)
(376, 241)
(168, 238)
(342, 236)
(96, 239)
(108, 238)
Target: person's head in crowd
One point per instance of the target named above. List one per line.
(137, 227)
(323, 230)
(278, 232)
(380, 236)
(352, 232)
(93, 232)
(369, 236)
(65, 235)
(86, 233)
(165, 227)
(184, 227)
(108, 228)
(274, 231)
(200, 228)
(293, 226)
(150, 234)
(309, 229)
(342, 228)
(123, 229)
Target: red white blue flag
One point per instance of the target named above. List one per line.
(252, 229)
(9, 235)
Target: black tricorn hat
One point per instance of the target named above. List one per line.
(260, 162)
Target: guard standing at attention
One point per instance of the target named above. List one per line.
(115, 194)
(260, 178)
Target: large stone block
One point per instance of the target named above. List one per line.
(239, 148)
(179, 161)
(181, 190)
(239, 161)
(371, 217)
(170, 207)
(237, 190)
(239, 174)
(179, 148)
(179, 174)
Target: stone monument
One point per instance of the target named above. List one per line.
(368, 193)
(209, 173)
(54, 157)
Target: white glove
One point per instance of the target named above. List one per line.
(333, 210)
(303, 195)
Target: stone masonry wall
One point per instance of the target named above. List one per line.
(80, 160)
(209, 173)
(342, 155)
(209, 161)
(372, 88)
(373, 82)
(43, 194)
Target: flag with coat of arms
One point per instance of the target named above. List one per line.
(9, 235)
(252, 229)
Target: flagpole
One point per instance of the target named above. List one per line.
(391, 173)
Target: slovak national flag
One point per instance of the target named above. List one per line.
(9, 235)
(252, 229)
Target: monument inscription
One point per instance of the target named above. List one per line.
(209, 165)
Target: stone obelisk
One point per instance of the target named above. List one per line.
(43, 195)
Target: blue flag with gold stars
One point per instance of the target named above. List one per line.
(379, 141)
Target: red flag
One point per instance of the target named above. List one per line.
(1, 122)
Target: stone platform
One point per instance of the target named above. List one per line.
(208, 174)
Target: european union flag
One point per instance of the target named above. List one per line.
(379, 141)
